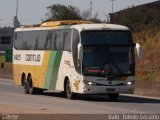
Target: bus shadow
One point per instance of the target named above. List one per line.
(54, 94)
(104, 98)
(136, 99)
(122, 99)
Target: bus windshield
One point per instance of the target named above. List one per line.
(107, 53)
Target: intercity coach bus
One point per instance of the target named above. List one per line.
(75, 57)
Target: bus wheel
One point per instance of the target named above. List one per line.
(68, 91)
(113, 97)
(25, 87)
(32, 90)
(39, 91)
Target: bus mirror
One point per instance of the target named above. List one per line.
(80, 51)
(139, 51)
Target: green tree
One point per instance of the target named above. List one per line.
(62, 12)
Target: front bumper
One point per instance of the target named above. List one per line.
(93, 89)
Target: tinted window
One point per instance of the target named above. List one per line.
(75, 42)
(67, 40)
(18, 40)
(106, 37)
(43, 40)
(26, 41)
(34, 40)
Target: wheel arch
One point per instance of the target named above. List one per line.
(65, 81)
(23, 78)
(28, 76)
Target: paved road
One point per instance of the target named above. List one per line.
(13, 100)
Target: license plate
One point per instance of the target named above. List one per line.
(110, 89)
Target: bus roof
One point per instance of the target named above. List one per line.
(101, 26)
(64, 22)
(80, 25)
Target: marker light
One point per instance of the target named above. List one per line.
(130, 82)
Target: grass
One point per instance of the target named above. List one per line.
(149, 67)
(148, 75)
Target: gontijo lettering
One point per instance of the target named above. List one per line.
(33, 57)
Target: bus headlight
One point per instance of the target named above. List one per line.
(129, 83)
(89, 83)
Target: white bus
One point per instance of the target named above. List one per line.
(75, 57)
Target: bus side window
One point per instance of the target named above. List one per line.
(41, 39)
(20, 40)
(67, 40)
(48, 40)
(54, 39)
(26, 45)
(35, 47)
(61, 40)
(34, 40)
(75, 42)
(15, 40)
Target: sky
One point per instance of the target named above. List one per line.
(33, 11)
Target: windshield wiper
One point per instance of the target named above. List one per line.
(107, 62)
(116, 65)
(110, 62)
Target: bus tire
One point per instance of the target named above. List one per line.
(39, 91)
(68, 92)
(25, 87)
(32, 90)
(113, 97)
